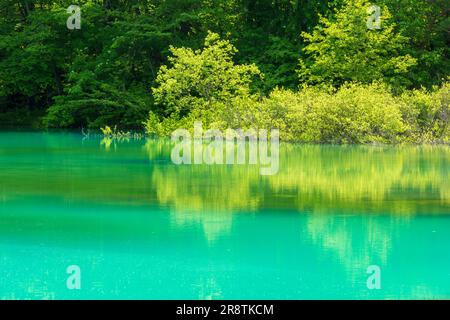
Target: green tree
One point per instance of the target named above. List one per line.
(268, 36)
(108, 75)
(202, 79)
(33, 57)
(426, 24)
(344, 49)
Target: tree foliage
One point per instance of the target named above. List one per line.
(100, 75)
(202, 78)
(345, 49)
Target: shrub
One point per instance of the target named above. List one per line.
(352, 114)
(428, 114)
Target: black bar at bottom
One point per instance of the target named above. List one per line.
(227, 309)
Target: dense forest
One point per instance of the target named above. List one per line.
(311, 68)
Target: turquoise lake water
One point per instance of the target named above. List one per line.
(140, 227)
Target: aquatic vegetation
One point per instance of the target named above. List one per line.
(113, 136)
